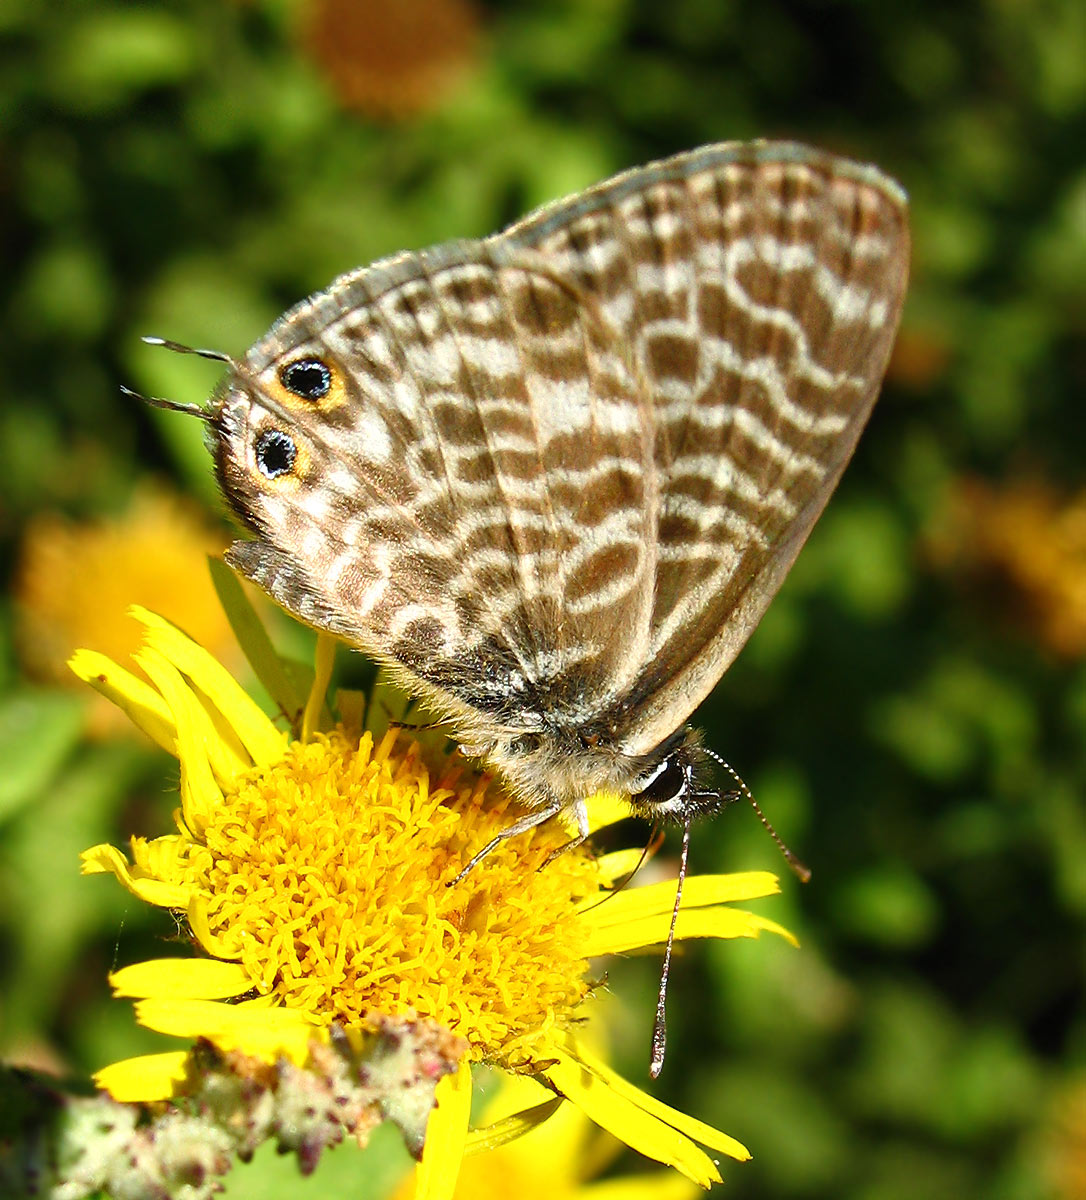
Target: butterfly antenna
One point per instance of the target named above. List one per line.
(802, 871)
(267, 401)
(190, 410)
(180, 348)
(659, 1025)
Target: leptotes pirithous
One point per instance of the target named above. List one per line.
(554, 477)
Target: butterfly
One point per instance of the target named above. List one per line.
(553, 478)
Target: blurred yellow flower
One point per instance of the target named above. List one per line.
(319, 876)
(392, 60)
(75, 581)
(1023, 549)
(1064, 1146)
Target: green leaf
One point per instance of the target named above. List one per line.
(38, 730)
(282, 684)
(345, 1172)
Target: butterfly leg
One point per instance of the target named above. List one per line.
(529, 821)
(580, 814)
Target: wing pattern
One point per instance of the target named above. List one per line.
(563, 470)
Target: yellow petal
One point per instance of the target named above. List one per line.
(226, 755)
(136, 699)
(218, 946)
(148, 1077)
(250, 1027)
(616, 864)
(508, 1129)
(690, 1126)
(655, 1185)
(446, 1134)
(160, 857)
(260, 737)
(629, 1121)
(108, 859)
(606, 808)
(701, 923)
(698, 891)
(200, 793)
(181, 978)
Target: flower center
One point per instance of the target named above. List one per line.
(330, 875)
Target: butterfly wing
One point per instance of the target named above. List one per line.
(759, 288)
(474, 493)
(560, 473)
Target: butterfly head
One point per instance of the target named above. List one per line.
(264, 441)
(272, 429)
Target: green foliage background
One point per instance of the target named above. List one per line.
(186, 169)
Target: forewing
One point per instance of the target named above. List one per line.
(473, 498)
(758, 289)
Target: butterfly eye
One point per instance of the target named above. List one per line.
(307, 378)
(666, 787)
(275, 453)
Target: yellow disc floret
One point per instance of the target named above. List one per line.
(331, 876)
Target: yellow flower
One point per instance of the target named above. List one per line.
(1021, 549)
(319, 878)
(1063, 1141)
(557, 1160)
(392, 61)
(75, 580)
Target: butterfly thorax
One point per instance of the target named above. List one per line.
(561, 768)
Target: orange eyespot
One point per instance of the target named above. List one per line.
(307, 378)
(275, 453)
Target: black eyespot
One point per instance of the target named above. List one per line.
(307, 378)
(275, 453)
(668, 783)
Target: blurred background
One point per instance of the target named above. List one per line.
(911, 712)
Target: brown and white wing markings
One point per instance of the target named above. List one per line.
(759, 289)
(472, 502)
(565, 469)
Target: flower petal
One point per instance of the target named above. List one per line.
(218, 739)
(181, 979)
(654, 1185)
(690, 1126)
(161, 857)
(200, 793)
(616, 864)
(226, 945)
(698, 891)
(146, 1078)
(446, 1134)
(136, 699)
(508, 1129)
(106, 859)
(628, 1120)
(260, 737)
(606, 808)
(251, 1027)
(719, 922)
